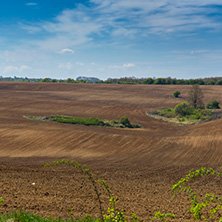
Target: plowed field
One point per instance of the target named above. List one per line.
(139, 164)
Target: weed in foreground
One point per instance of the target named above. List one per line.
(202, 208)
(206, 208)
(112, 213)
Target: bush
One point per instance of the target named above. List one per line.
(183, 109)
(213, 105)
(125, 121)
(176, 94)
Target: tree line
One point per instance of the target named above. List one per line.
(123, 80)
(165, 81)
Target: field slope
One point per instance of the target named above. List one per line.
(139, 164)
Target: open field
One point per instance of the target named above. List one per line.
(139, 164)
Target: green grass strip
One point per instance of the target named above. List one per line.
(86, 121)
(29, 217)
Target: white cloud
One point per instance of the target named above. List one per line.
(31, 29)
(114, 67)
(79, 63)
(24, 67)
(198, 51)
(164, 16)
(67, 65)
(63, 51)
(8, 69)
(15, 69)
(31, 3)
(128, 65)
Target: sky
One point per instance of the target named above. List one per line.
(111, 38)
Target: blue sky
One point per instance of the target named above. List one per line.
(111, 38)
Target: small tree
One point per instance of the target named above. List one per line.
(195, 97)
(176, 94)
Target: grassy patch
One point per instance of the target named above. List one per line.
(189, 117)
(28, 217)
(86, 121)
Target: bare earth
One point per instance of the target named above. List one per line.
(141, 165)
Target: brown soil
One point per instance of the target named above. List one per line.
(141, 165)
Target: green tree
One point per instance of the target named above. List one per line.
(148, 81)
(176, 94)
(195, 97)
(160, 81)
(46, 80)
(219, 82)
(211, 82)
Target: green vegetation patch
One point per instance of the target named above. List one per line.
(88, 121)
(185, 114)
(28, 217)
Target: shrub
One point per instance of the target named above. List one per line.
(125, 121)
(183, 109)
(213, 105)
(176, 94)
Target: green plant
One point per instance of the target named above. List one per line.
(213, 105)
(202, 207)
(176, 94)
(183, 109)
(1, 200)
(125, 121)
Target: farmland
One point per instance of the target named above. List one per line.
(139, 164)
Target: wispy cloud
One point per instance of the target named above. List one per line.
(109, 20)
(80, 63)
(63, 51)
(67, 65)
(126, 65)
(15, 69)
(31, 3)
